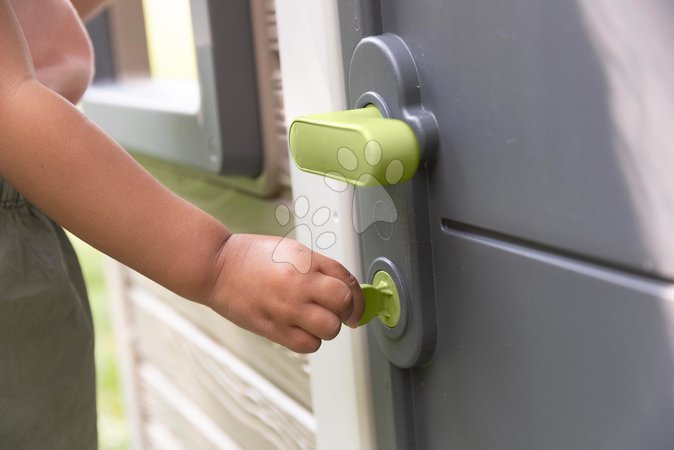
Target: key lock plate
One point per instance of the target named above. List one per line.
(378, 146)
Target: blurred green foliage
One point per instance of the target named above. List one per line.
(112, 426)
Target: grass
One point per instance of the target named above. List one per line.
(112, 426)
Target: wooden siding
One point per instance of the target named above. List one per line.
(286, 369)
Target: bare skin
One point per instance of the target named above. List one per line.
(69, 168)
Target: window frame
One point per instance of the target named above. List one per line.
(227, 124)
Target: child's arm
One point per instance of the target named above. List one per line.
(81, 178)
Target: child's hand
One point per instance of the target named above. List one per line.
(276, 300)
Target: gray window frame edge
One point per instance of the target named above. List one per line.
(181, 123)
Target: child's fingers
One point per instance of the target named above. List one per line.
(299, 340)
(333, 295)
(334, 269)
(318, 321)
(290, 336)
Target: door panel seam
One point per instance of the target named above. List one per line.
(455, 227)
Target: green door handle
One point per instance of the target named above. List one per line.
(357, 146)
(381, 300)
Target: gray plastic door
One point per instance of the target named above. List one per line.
(537, 244)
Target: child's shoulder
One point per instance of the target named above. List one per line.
(58, 43)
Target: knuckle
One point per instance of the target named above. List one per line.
(315, 346)
(303, 251)
(294, 344)
(306, 344)
(346, 299)
(286, 271)
(267, 327)
(279, 301)
(333, 329)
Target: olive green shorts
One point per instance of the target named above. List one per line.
(47, 378)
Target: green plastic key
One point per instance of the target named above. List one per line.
(381, 300)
